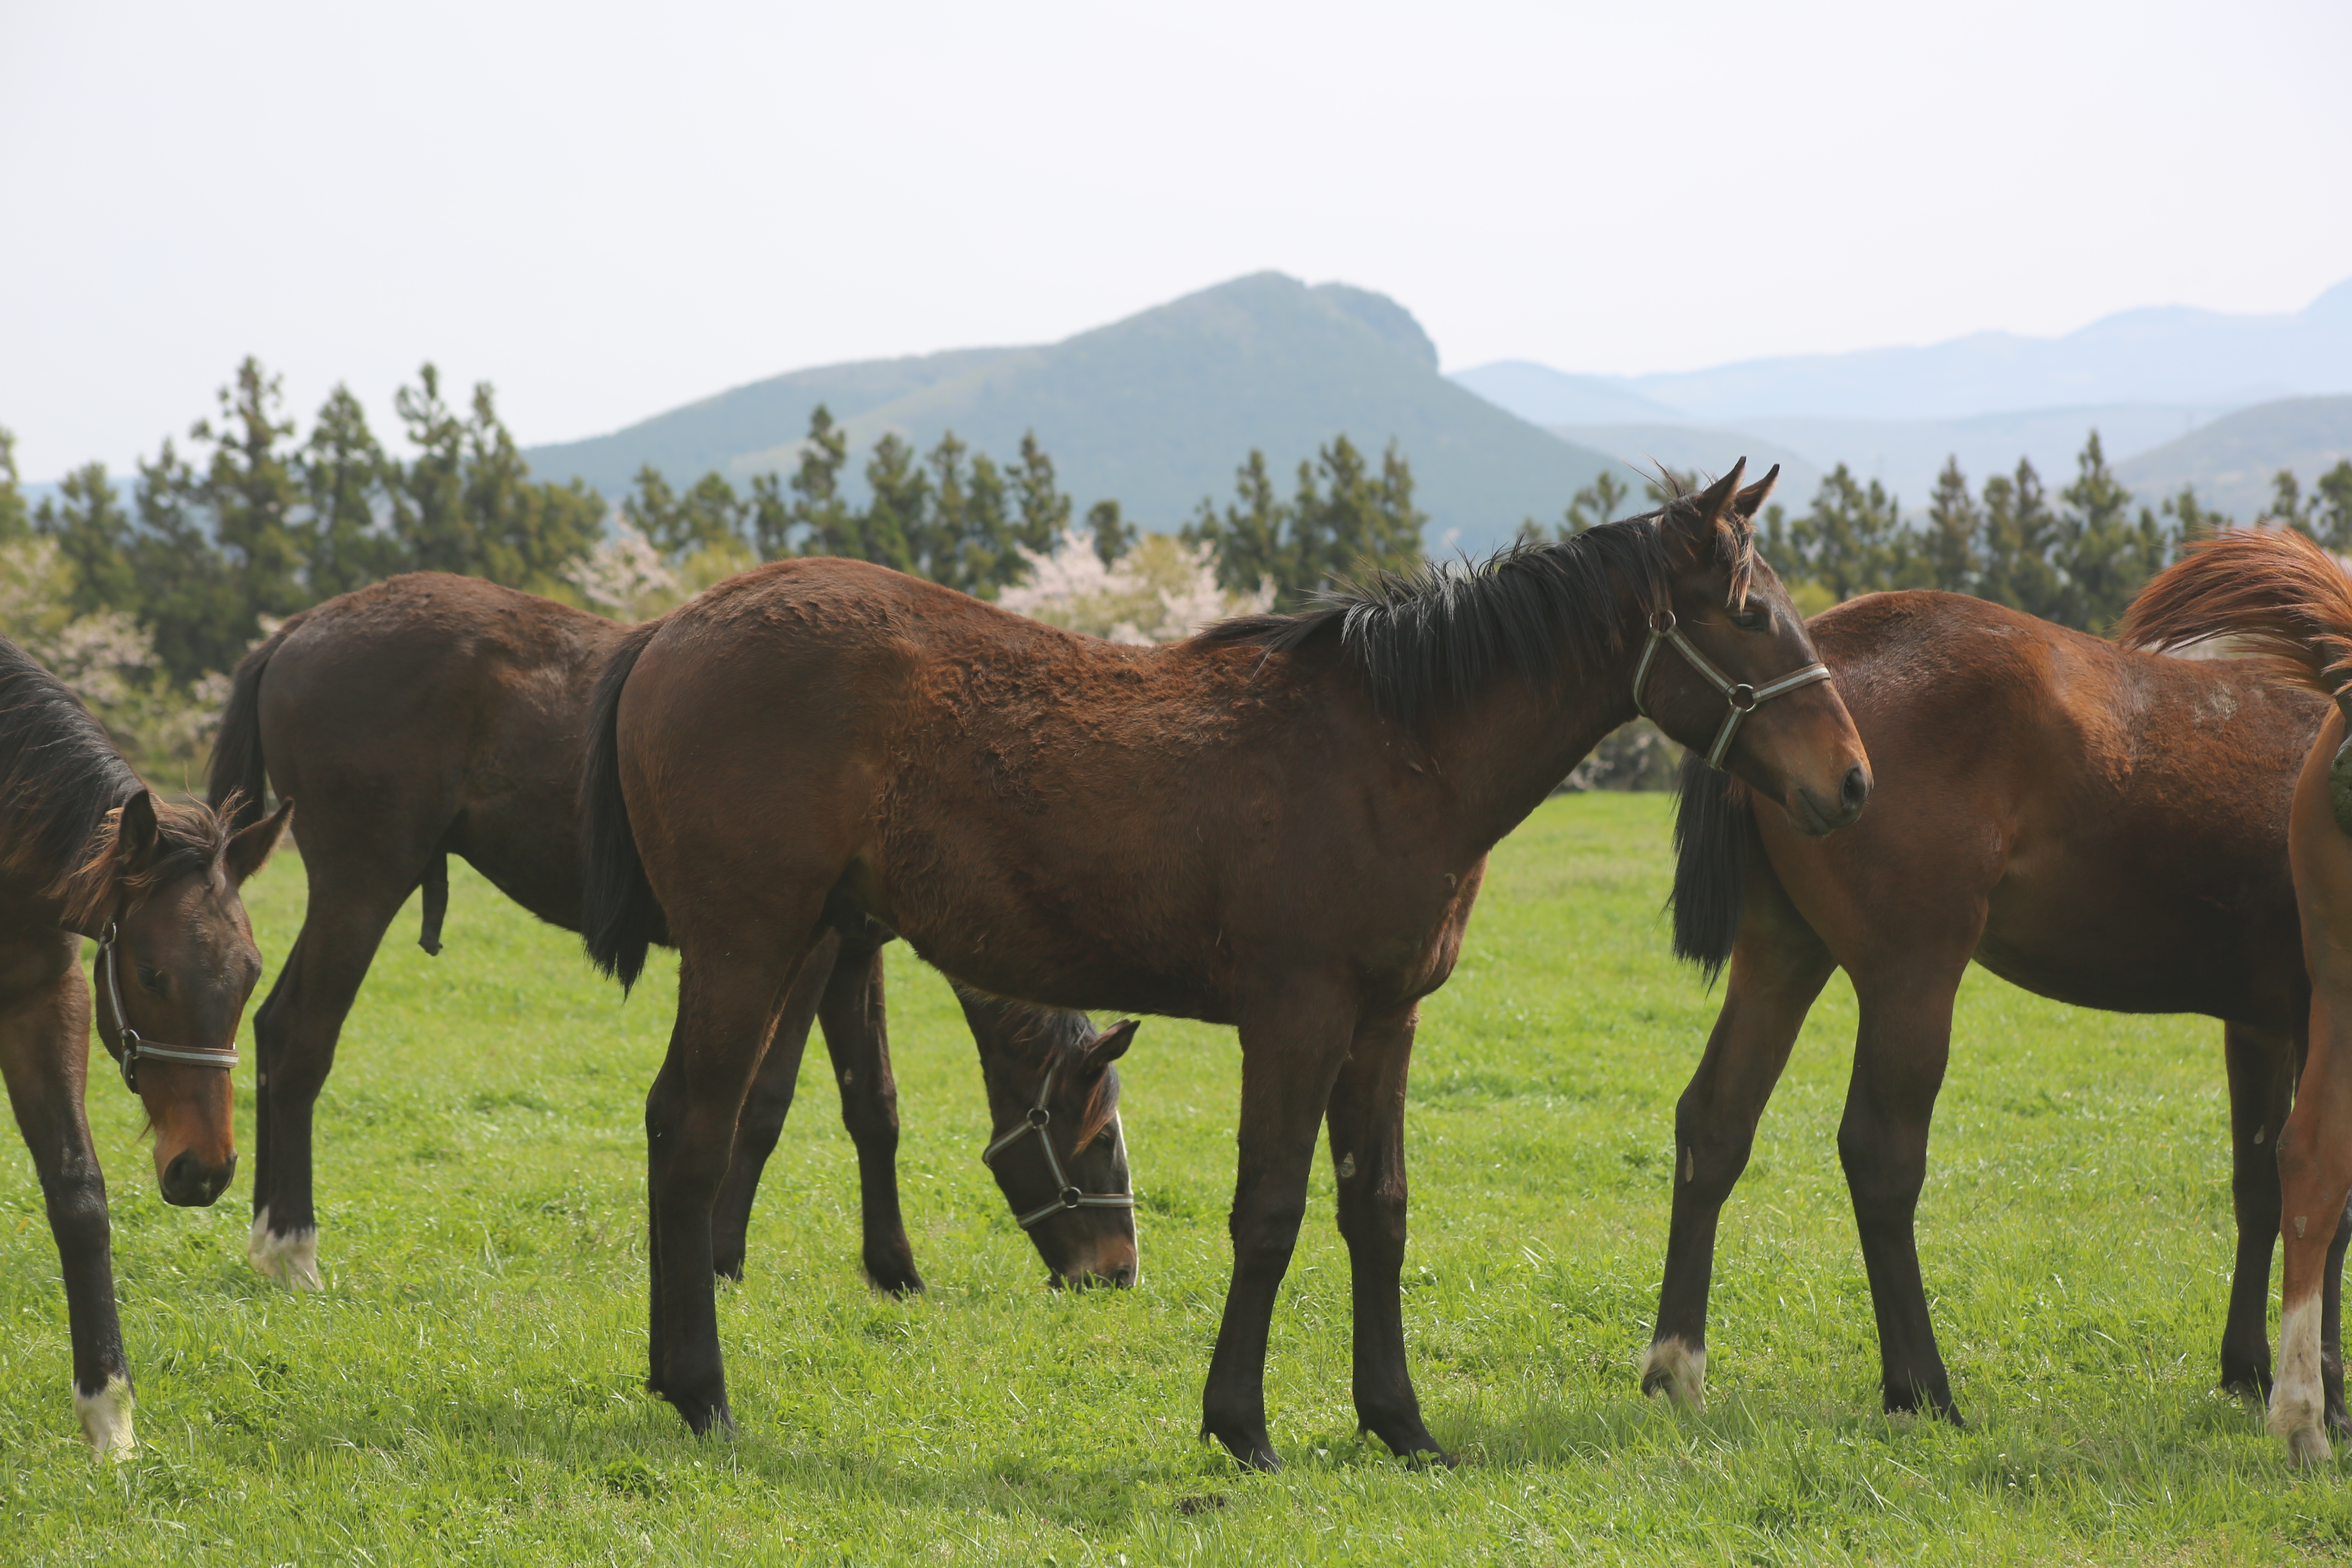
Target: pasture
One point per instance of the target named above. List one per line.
(468, 1386)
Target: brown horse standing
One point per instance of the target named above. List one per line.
(432, 715)
(2102, 827)
(85, 851)
(1281, 824)
(2290, 602)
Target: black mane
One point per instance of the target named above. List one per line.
(59, 776)
(1437, 634)
(62, 780)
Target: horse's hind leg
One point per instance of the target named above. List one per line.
(1367, 1121)
(857, 1033)
(766, 1109)
(1777, 968)
(2260, 1065)
(43, 1053)
(1900, 1054)
(730, 993)
(294, 1033)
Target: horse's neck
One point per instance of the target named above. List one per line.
(1511, 746)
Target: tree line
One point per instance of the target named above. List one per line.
(2078, 558)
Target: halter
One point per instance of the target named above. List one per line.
(122, 1041)
(1743, 697)
(1070, 1197)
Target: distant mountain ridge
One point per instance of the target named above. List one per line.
(1157, 410)
(2170, 354)
(2233, 460)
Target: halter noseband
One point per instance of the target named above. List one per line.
(1743, 697)
(122, 1041)
(1069, 1197)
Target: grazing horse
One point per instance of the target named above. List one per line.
(1279, 824)
(432, 715)
(85, 851)
(2103, 827)
(2289, 601)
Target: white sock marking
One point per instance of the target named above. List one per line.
(2295, 1402)
(293, 1261)
(1679, 1370)
(106, 1419)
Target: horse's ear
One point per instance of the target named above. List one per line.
(249, 849)
(1749, 501)
(1108, 1047)
(1705, 512)
(136, 836)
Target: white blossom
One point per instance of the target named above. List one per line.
(625, 575)
(1162, 591)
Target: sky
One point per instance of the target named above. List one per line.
(610, 210)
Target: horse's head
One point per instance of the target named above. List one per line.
(1730, 673)
(1057, 1152)
(175, 965)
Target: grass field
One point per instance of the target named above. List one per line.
(468, 1386)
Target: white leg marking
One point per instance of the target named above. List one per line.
(106, 1419)
(1676, 1370)
(2295, 1406)
(290, 1260)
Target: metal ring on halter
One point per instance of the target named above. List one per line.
(123, 1042)
(1663, 630)
(1069, 1197)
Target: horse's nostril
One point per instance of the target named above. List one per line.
(1855, 790)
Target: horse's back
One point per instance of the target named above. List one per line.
(2120, 816)
(436, 712)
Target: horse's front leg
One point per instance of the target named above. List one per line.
(44, 1057)
(857, 1038)
(1777, 968)
(2260, 1066)
(1367, 1121)
(1292, 1046)
(726, 1007)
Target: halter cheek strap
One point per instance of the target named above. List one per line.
(123, 1042)
(1742, 698)
(1068, 1198)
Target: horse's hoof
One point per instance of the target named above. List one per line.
(291, 1259)
(1676, 1370)
(106, 1419)
(1256, 1451)
(2306, 1447)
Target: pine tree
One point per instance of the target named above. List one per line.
(1248, 537)
(1114, 535)
(2192, 520)
(817, 505)
(892, 523)
(1853, 542)
(15, 516)
(93, 534)
(346, 482)
(1950, 549)
(2105, 554)
(2020, 534)
(1595, 504)
(1044, 510)
(190, 596)
(2330, 517)
(428, 514)
(249, 491)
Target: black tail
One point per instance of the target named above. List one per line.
(619, 917)
(1715, 829)
(237, 767)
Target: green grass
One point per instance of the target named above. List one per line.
(468, 1388)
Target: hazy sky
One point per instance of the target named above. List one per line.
(609, 210)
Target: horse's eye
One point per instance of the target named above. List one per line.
(1752, 620)
(150, 980)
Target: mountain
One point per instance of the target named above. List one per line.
(2171, 356)
(1157, 410)
(1641, 448)
(2231, 460)
(1542, 395)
